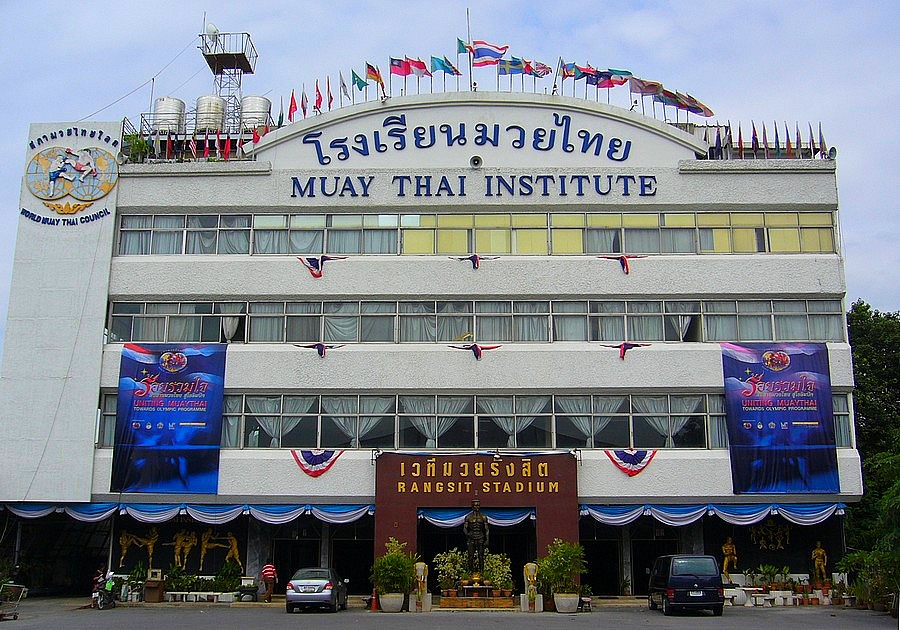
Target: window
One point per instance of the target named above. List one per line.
(841, 410)
(106, 431)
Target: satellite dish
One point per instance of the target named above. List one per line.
(212, 30)
(832, 153)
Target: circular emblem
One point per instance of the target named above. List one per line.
(173, 361)
(86, 174)
(776, 360)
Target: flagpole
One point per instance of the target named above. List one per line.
(469, 36)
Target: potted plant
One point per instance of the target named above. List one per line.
(449, 566)
(135, 581)
(767, 573)
(393, 575)
(560, 571)
(498, 573)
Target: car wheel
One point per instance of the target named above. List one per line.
(717, 611)
(650, 603)
(289, 608)
(666, 608)
(344, 603)
(335, 605)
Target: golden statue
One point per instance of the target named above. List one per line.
(529, 572)
(730, 561)
(233, 552)
(126, 539)
(206, 543)
(820, 559)
(421, 578)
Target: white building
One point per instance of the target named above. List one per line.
(549, 190)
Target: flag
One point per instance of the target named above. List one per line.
(418, 67)
(700, 108)
(640, 86)
(304, 102)
(740, 142)
(358, 82)
(400, 67)
(443, 65)
(582, 72)
(799, 152)
(823, 151)
(566, 69)
(227, 151)
(777, 144)
(218, 144)
(620, 76)
(510, 66)
(318, 105)
(344, 90)
(292, 107)
(539, 69)
(206, 143)
(328, 92)
(765, 141)
(754, 140)
(170, 145)
(812, 143)
(375, 74)
(194, 145)
(789, 150)
(485, 54)
(729, 141)
(461, 47)
(281, 112)
(719, 143)
(666, 97)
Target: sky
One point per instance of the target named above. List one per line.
(759, 60)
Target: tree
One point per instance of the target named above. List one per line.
(873, 525)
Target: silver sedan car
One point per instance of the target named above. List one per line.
(316, 586)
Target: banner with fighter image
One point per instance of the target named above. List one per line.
(779, 417)
(169, 418)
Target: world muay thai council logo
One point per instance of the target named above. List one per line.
(86, 174)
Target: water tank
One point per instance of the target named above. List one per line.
(255, 111)
(210, 113)
(168, 115)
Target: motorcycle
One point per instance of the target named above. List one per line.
(106, 597)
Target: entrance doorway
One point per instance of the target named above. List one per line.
(516, 541)
(649, 539)
(352, 553)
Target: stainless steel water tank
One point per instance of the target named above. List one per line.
(254, 111)
(210, 113)
(168, 115)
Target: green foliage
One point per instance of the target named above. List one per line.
(767, 572)
(138, 575)
(497, 570)
(878, 574)
(560, 569)
(395, 570)
(228, 579)
(177, 579)
(450, 566)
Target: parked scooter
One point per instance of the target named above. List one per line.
(106, 597)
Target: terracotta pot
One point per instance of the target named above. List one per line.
(449, 592)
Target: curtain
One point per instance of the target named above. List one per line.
(427, 425)
(134, 243)
(342, 412)
(166, 242)
(230, 324)
(721, 327)
(184, 328)
(417, 327)
(826, 328)
(680, 323)
(234, 242)
(644, 328)
(681, 405)
(579, 405)
(379, 405)
(640, 241)
(270, 242)
(342, 328)
(678, 240)
(343, 242)
(599, 241)
(200, 242)
(531, 327)
(569, 328)
(295, 405)
(755, 327)
(654, 405)
(790, 327)
(306, 241)
(268, 423)
(496, 406)
(380, 241)
(149, 329)
(266, 328)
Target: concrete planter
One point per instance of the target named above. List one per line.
(566, 602)
(391, 602)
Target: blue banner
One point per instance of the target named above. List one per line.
(169, 418)
(779, 417)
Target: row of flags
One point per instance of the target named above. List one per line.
(723, 147)
(200, 146)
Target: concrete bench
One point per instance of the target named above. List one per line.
(766, 600)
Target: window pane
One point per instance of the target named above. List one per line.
(613, 435)
(300, 432)
(534, 433)
(600, 241)
(569, 432)
(529, 242)
(303, 328)
(679, 241)
(755, 327)
(641, 241)
(650, 431)
(377, 328)
(453, 241)
(306, 241)
(376, 432)
(380, 241)
(791, 327)
(418, 241)
(566, 241)
(344, 241)
(721, 327)
(688, 432)
(784, 240)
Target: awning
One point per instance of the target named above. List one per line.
(736, 514)
(209, 514)
(454, 517)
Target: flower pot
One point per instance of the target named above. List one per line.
(566, 602)
(449, 592)
(391, 602)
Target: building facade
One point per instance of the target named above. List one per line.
(519, 298)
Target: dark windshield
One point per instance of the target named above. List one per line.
(694, 566)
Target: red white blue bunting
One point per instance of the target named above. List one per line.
(475, 259)
(629, 461)
(477, 350)
(623, 261)
(316, 266)
(315, 462)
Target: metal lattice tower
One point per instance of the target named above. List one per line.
(230, 56)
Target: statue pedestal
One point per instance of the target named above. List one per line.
(538, 603)
(477, 591)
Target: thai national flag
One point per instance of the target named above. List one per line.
(139, 354)
(485, 54)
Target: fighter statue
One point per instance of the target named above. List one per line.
(475, 527)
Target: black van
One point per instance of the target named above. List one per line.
(686, 581)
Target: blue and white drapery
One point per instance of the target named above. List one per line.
(454, 517)
(209, 514)
(678, 515)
